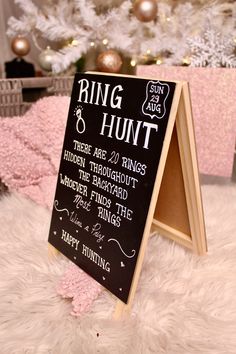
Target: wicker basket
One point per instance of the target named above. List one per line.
(12, 100)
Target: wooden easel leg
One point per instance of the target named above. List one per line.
(52, 251)
(121, 310)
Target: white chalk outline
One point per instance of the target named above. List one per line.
(133, 251)
(60, 210)
(147, 95)
(80, 120)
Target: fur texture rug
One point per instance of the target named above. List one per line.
(185, 304)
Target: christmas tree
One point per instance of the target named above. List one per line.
(106, 33)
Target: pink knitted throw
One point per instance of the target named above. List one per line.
(30, 150)
(80, 287)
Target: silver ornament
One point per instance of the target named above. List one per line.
(45, 59)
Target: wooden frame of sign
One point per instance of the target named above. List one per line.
(175, 208)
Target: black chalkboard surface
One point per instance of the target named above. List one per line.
(112, 147)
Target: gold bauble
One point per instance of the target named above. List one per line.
(45, 59)
(20, 46)
(109, 61)
(145, 10)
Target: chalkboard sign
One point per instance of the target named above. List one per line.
(112, 147)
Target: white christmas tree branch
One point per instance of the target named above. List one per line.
(54, 29)
(179, 30)
(22, 26)
(27, 6)
(68, 55)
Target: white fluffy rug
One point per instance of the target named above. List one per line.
(185, 304)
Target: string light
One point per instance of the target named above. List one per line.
(165, 18)
(92, 44)
(159, 61)
(148, 51)
(133, 62)
(105, 41)
(74, 43)
(186, 60)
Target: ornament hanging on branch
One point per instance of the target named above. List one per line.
(45, 59)
(20, 46)
(145, 10)
(109, 61)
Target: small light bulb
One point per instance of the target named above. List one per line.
(186, 60)
(133, 62)
(74, 42)
(105, 41)
(167, 19)
(148, 51)
(92, 44)
(159, 61)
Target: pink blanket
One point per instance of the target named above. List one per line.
(30, 149)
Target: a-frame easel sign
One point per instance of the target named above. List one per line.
(128, 164)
